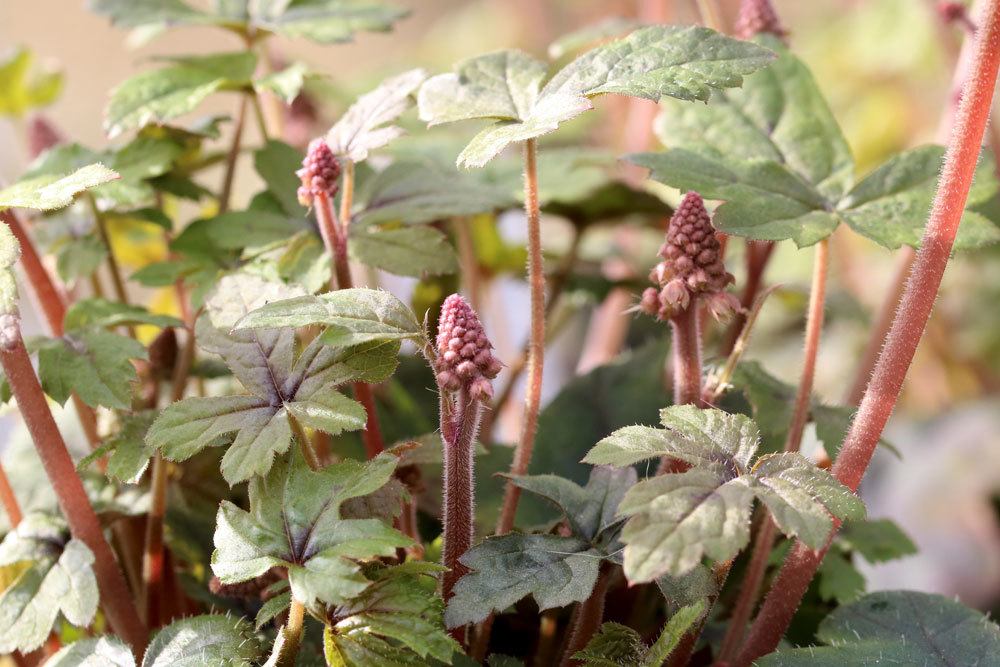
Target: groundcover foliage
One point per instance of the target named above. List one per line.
(291, 464)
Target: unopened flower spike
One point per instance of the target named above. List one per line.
(692, 266)
(757, 17)
(320, 173)
(464, 353)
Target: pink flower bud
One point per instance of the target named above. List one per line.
(320, 173)
(756, 17)
(465, 354)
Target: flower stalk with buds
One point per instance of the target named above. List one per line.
(691, 273)
(464, 367)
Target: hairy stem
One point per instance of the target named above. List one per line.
(764, 541)
(116, 599)
(459, 492)
(334, 235)
(907, 255)
(587, 619)
(904, 335)
(226, 192)
(53, 306)
(686, 354)
(286, 644)
(536, 344)
(560, 278)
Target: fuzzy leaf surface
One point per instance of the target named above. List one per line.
(699, 437)
(50, 191)
(556, 571)
(552, 566)
(280, 384)
(59, 579)
(210, 639)
(352, 316)
(898, 627)
(400, 606)
(652, 62)
(773, 151)
(591, 509)
(366, 125)
(674, 520)
(94, 363)
(160, 95)
(295, 522)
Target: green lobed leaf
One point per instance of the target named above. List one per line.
(676, 519)
(898, 627)
(801, 497)
(590, 510)
(401, 606)
(556, 571)
(59, 579)
(366, 125)
(94, 363)
(699, 437)
(838, 580)
(280, 383)
(138, 13)
(352, 316)
(295, 522)
(775, 154)
(415, 251)
(652, 62)
(202, 640)
(160, 95)
(50, 192)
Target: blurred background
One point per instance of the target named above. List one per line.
(885, 66)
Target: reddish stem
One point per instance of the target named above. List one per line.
(83, 522)
(335, 238)
(53, 305)
(907, 328)
(536, 339)
(460, 420)
(587, 619)
(686, 354)
(907, 254)
(764, 541)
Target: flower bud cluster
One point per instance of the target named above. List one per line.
(692, 266)
(320, 173)
(756, 17)
(464, 353)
